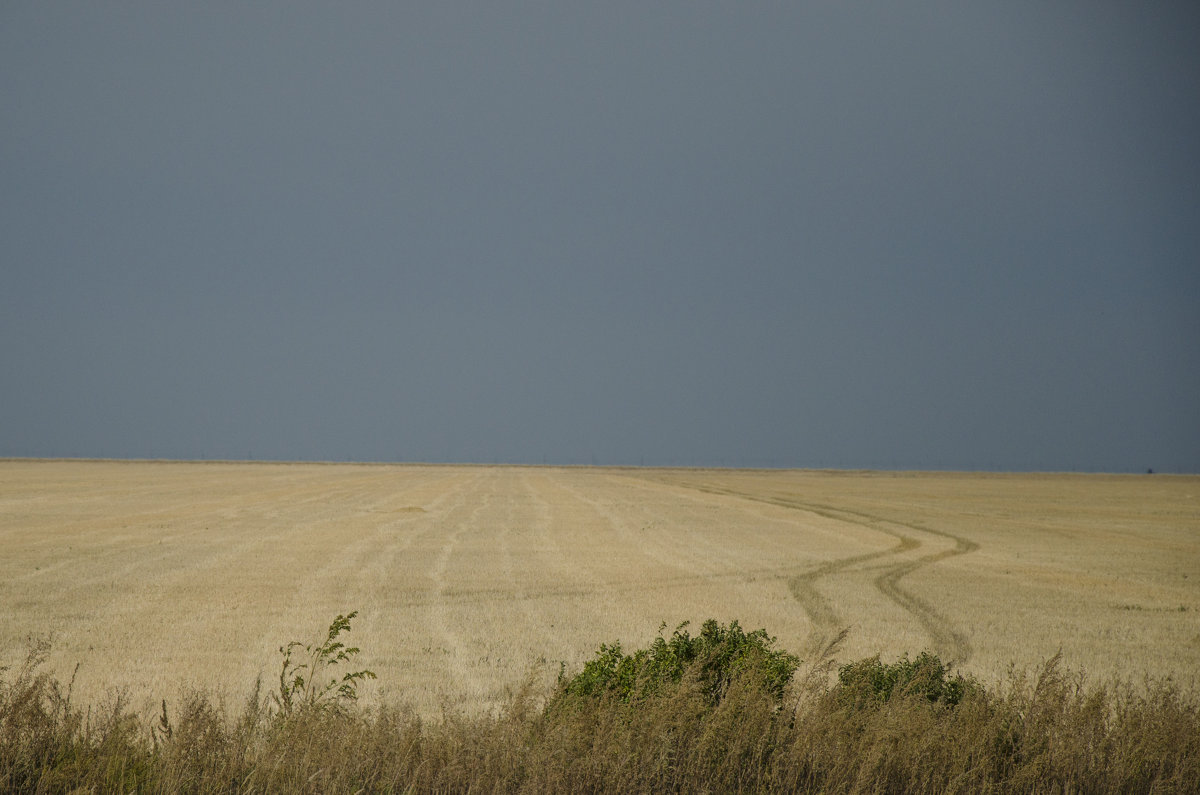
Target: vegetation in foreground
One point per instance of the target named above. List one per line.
(720, 711)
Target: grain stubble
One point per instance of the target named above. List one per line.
(160, 575)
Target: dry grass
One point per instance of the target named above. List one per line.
(165, 578)
(1044, 732)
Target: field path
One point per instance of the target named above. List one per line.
(461, 518)
(949, 642)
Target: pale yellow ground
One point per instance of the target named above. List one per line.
(160, 576)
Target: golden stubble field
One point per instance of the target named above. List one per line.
(158, 577)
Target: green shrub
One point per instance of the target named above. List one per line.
(715, 657)
(870, 680)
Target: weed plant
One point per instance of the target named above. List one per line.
(722, 711)
(300, 680)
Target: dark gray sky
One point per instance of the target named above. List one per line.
(942, 235)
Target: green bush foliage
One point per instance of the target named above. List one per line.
(714, 658)
(871, 680)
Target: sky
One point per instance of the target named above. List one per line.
(925, 235)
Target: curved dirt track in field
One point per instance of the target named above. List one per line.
(948, 642)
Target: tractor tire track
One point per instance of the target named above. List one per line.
(948, 641)
(459, 518)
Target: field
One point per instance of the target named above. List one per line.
(161, 576)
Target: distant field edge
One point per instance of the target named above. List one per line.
(848, 471)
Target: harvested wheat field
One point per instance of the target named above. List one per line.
(157, 577)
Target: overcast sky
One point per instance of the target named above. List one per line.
(836, 234)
